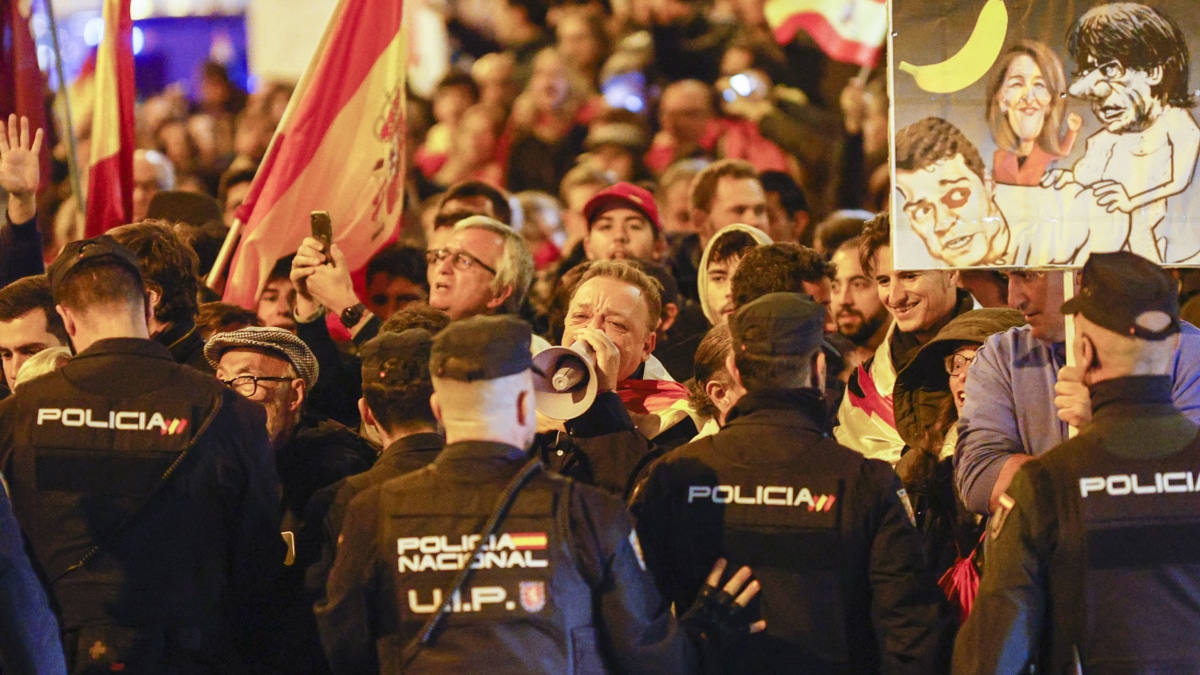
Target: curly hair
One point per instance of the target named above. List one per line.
(777, 268)
(876, 233)
(168, 265)
(933, 139)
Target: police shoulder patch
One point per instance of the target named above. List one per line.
(996, 522)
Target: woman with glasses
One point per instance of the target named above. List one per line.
(939, 373)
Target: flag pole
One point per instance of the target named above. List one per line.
(217, 274)
(63, 89)
(225, 256)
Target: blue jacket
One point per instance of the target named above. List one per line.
(1014, 366)
(28, 630)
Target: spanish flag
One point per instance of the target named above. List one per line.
(850, 31)
(22, 84)
(339, 148)
(110, 171)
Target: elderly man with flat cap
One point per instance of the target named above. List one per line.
(1092, 560)
(275, 369)
(145, 489)
(484, 562)
(846, 588)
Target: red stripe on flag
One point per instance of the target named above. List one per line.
(110, 191)
(827, 38)
(22, 84)
(104, 203)
(358, 38)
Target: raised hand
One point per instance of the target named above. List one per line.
(20, 170)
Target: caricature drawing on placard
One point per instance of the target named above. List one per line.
(965, 219)
(1025, 113)
(1132, 65)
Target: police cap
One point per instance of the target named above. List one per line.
(396, 359)
(778, 324)
(1127, 294)
(100, 249)
(481, 348)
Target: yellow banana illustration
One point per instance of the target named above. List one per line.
(972, 61)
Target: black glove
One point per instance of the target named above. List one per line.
(714, 618)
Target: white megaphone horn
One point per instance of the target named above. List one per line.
(568, 386)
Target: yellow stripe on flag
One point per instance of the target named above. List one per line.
(523, 540)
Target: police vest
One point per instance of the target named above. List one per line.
(526, 608)
(84, 468)
(1125, 578)
(787, 528)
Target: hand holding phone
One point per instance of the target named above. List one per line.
(322, 230)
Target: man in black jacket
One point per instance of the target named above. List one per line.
(1091, 559)
(558, 585)
(828, 532)
(146, 489)
(396, 391)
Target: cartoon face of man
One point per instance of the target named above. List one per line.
(1122, 98)
(950, 207)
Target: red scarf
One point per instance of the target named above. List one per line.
(650, 396)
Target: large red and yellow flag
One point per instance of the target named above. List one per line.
(22, 84)
(110, 171)
(851, 31)
(339, 148)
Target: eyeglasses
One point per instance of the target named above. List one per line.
(1109, 71)
(247, 385)
(462, 259)
(956, 364)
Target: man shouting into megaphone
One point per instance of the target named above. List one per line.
(612, 315)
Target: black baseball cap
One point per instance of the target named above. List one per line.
(1120, 291)
(481, 348)
(99, 249)
(396, 359)
(779, 324)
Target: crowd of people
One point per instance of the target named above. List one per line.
(759, 446)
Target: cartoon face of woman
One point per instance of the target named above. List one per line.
(1025, 98)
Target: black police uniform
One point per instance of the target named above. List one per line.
(845, 587)
(181, 580)
(560, 589)
(1093, 559)
(328, 506)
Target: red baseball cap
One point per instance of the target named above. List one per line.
(622, 195)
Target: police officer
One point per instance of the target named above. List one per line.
(146, 489)
(557, 584)
(28, 632)
(845, 584)
(1092, 560)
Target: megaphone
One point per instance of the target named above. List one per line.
(569, 385)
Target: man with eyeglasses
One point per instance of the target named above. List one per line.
(144, 488)
(1132, 66)
(275, 369)
(1020, 398)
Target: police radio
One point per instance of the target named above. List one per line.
(568, 386)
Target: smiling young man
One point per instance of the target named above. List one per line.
(920, 303)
